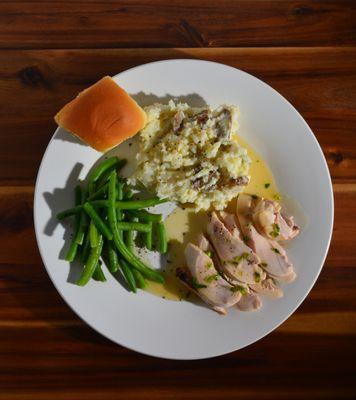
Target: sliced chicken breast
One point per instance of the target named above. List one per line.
(237, 261)
(249, 302)
(205, 280)
(229, 220)
(273, 257)
(203, 243)
(271, 222)
(267, 287)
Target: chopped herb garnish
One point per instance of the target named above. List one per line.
(208, 265)
(238, 259)
(267, 185)
(208, 253)
(263, 264)
(254, 196)
(211, 278)
(276, 230)
(239, 288)
(257, 277)
(197, 285)
(277, 197)
(275, 250)
(245, 238)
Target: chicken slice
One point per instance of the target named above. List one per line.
(205, 280)
(237, 260)
(249, 302)
(230, 223)
(203, 243)
(271, 222)
(273, 257)
(267, 287)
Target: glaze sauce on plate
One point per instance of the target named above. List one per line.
(184, 224)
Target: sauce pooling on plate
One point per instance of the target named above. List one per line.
(184, 224)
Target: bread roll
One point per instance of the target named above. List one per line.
(103, 115)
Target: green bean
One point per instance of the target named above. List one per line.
(119, 213)
(137, 204)
(148, 237)
(128, 274)
(105, 176)
(100, 192)
(136, 262)
(72, 252)
(91, 263)
(93, 234)
(113, 261)
(98, 221)
(114, 226)
(69, 212)
(133, 226)
(83, 221)
(146, 216)
(120, 193)
(129, 235)
(91, 188)
(122, 205)
(162, 238)
(129, 204)
(128, 194)
(86, 248)
(139, 279)
(111, 201)
(101, 168)
(120, 245)
(98, 274)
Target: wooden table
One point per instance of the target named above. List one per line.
(52, 49)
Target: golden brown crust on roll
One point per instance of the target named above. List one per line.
(103, 115)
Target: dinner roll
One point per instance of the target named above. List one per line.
(103, 115)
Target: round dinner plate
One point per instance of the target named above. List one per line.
(181, 329)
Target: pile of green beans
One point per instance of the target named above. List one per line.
(106, 220)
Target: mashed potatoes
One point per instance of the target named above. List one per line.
(191, 155)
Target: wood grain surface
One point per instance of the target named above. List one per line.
(50, 50)
(176, 23)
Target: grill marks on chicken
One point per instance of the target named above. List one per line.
(240, 258)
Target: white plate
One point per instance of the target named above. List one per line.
(182, 330)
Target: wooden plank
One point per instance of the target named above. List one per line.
(319, 82)
(177, 23)
(75, 363)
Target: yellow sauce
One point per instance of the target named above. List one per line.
(260, 174)
(184, 224)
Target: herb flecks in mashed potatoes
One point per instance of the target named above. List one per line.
(191, 155)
